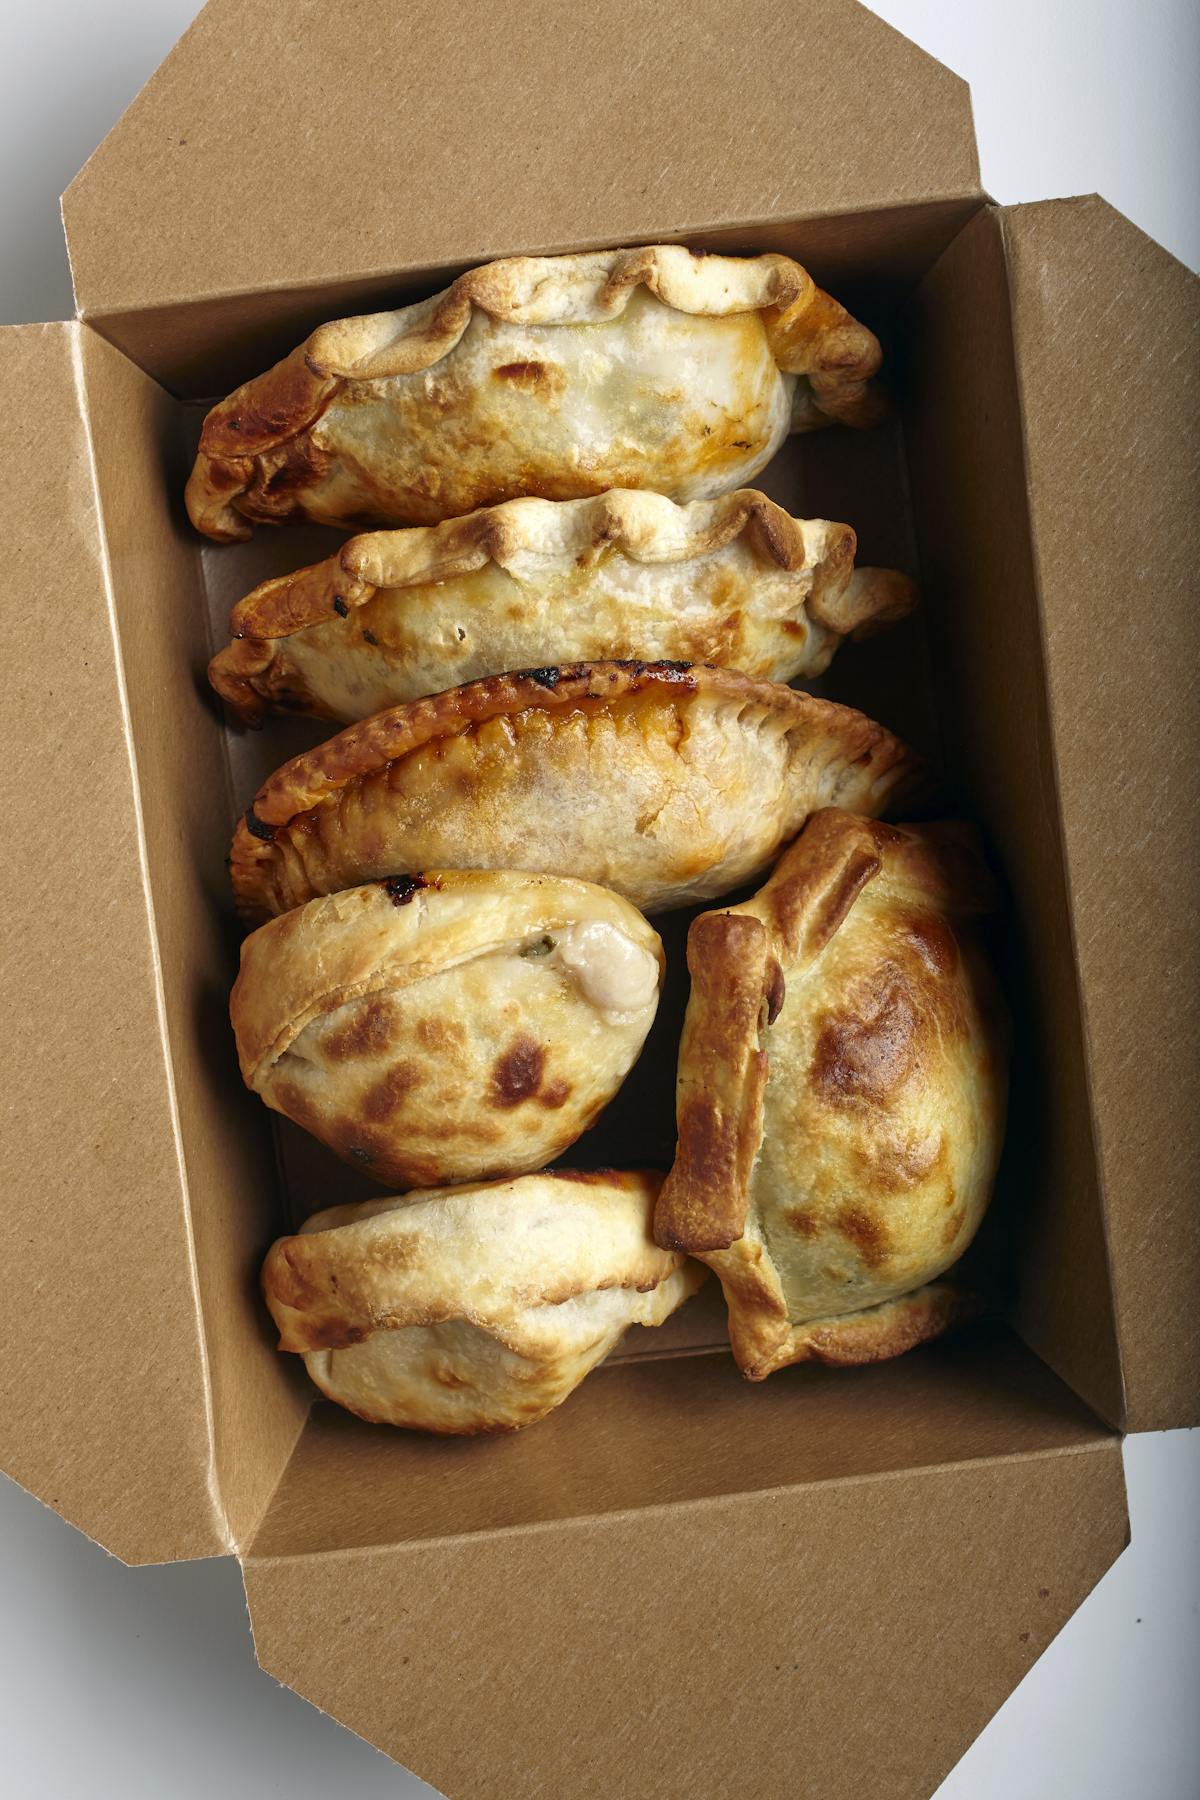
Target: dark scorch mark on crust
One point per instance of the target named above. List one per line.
(400, 889)
(517, 1074)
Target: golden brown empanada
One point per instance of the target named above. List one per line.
(842, 1081)
(666, 782)
(552, 375)
(400, 614)
(474, 1308)
(448, 1027)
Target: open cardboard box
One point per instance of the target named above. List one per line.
(679, 1584)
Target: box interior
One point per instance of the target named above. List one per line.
(939, 492)
(672, 1432)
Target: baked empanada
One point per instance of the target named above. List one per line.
(665, 782)
(842, 1082)
(400, 614)
(477, 1308)
(447, 1027)
(551, 375)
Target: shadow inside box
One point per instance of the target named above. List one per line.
(992, 1262)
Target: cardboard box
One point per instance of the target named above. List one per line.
(679, 1584)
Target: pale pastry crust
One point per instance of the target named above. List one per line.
(450, 1028)
(666, 782)
(878, 1333)
(397, 615)
(477, 1308)
(558, 375)
(841, 1093)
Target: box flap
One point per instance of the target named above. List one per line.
(276, 148)
(104, 1409)
(1105, 333)
(1042, 1245)
(141, 447)
(862, 1603)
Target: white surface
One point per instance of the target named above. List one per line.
(142, 1682)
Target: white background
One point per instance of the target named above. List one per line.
(142, 1682)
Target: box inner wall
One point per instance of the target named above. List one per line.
(861, 478)
(200, 349)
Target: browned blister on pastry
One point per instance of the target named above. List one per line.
(476, 1308)
(557, 376)
(448, 1027)
(666, 782)
(397, 615)
(841, 1094)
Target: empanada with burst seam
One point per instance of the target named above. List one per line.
(666, 782)
(558, 376)
(842, 1081)
(477, 1308)
(451, 1027)
(400, 614)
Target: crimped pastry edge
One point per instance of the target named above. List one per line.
(317, 776)
(810, 333)
(424, 1257)
(644, 527)
(328, 952)
(741, 962)
(876, 1334)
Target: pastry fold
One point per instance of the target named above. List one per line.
(449, 1027)
(841, 1093)
(478, 1308)
(666, 782)
(397, 615)
(557, 376)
